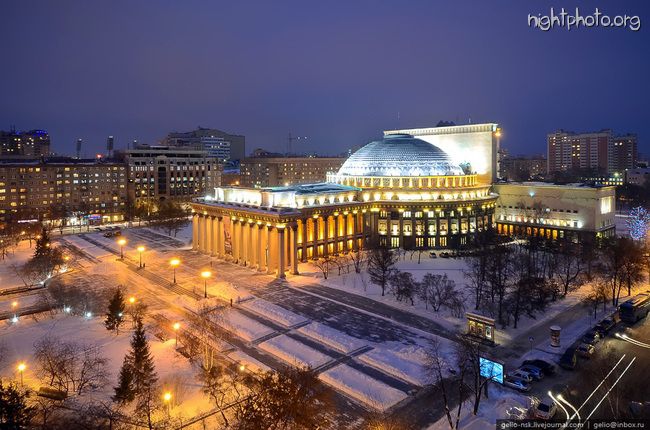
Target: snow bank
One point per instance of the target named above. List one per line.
(407, 365)
(244, 327)
(274, 313)
(362, 387)
(331, 337)
(293, 352)
(248, 361)
(227, 291)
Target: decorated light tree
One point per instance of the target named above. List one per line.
(638, 223)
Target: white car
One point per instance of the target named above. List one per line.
(516, 413)
(545, 410)
(521, 374)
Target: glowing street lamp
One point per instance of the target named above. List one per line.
(167, 397)
(205, 275)
(242, 367)
(121, 242)
(176, 327)
(140, 251)
(131, 300)
(21, 369)
(174, 263)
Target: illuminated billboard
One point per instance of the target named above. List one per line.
(491, 369)
(475, 145)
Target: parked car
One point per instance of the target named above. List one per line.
(533, 371)
(521, 374)
(444, 254)
(516, 413)
(432, 255)
(114, 233)
(545, 410)
(591, 337)
(546, 367)
(585, 350)
(605, 326)
(568, 360)
(516, 383)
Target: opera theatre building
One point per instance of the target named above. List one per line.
(428, 188)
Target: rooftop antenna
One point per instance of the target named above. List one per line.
(290, 140)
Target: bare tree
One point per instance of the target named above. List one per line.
(324, 264)
(70, 366)
(381, 267)
(404, 286)
(223, 386)
(200, 337)
(358, 259)
(288, 399)
(436, 366)
(569, 265)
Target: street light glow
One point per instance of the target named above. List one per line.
(177, 326)
(131, 299)
(121, 242)
(206, 274)
(140, 248)
(174, 262)
(167, 396)
(21, 367)
(14, 304)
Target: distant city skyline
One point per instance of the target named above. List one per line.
(337, 73)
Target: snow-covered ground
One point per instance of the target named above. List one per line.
(274, 313)
(331, 337)
(361, 387)
(10, 266)
(407, 363)
(173, 370)
(243, 326)
(294, 352)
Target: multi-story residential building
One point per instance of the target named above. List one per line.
(24, 144)
(522, 168)
(217, 143)
(158, 173)
(84, 191)
(597, 151)
(271, 170)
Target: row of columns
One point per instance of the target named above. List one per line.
(274, 248)
(266, 247)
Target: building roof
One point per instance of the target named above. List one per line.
(319, 188)
(399, 155)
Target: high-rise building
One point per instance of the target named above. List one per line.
(84, 191)
(597, 151)
(217, 143)
(271, 170)
(162, 172)
(522, 168)
(24, 144)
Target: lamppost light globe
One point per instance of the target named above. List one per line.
(167, 396)
(140, 248)
(206, 274)
(177, 326)
(22, 367)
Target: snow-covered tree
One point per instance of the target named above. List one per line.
(115, 314)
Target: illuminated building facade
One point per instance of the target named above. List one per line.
(576, 212)
(399, 192)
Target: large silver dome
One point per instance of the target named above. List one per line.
(399, 155)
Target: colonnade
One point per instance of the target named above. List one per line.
(275, 248)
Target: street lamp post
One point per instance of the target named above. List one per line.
(176, 327)
(140, 251)
(21, 369)
(121, 242)
(205, 275)
(174, 263)
(167, 398)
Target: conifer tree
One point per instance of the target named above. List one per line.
(115, 314)
(142, 366)
(14, 411)
(124, 391)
